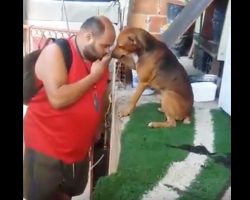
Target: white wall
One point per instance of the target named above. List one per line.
(51, 13)
(224, 35)
(225, 91)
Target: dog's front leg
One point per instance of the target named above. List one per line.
(138, 92)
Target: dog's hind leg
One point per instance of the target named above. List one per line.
(160, 109)
(170, 122)
(175, 108)
(187, 120)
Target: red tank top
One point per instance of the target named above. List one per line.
(66, 133)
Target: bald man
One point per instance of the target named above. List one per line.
(63, 118)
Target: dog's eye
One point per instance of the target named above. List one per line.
(130, 39)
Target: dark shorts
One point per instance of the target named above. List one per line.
(44, 177)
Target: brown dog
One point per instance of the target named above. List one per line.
(158, 68)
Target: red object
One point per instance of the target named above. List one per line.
(66, 133)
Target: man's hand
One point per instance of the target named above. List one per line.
(99, 66)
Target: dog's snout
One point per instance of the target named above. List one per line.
(116, 53)
(113, 54)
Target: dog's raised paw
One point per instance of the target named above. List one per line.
(123, 114)
(120, 115)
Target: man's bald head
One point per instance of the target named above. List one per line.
(98, 25)
(96, 36)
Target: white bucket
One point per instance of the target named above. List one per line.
(134, 79)
(204, 91)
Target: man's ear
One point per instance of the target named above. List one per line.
(89, 36)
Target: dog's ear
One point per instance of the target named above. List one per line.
(145, 40)
(134, 40)
(128, 61)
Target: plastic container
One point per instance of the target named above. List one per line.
(204, 91)
(203, 78)
(134, 79)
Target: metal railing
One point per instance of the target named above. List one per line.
(35, 35)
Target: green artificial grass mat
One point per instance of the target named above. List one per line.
(215, 177)
(144, 157)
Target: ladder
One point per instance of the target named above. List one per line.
(184, 20)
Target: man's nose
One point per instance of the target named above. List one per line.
(107, 50)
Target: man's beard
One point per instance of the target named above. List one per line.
(91, 54)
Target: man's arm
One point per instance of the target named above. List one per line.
(51, 70)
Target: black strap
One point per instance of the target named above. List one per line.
(67, 54)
